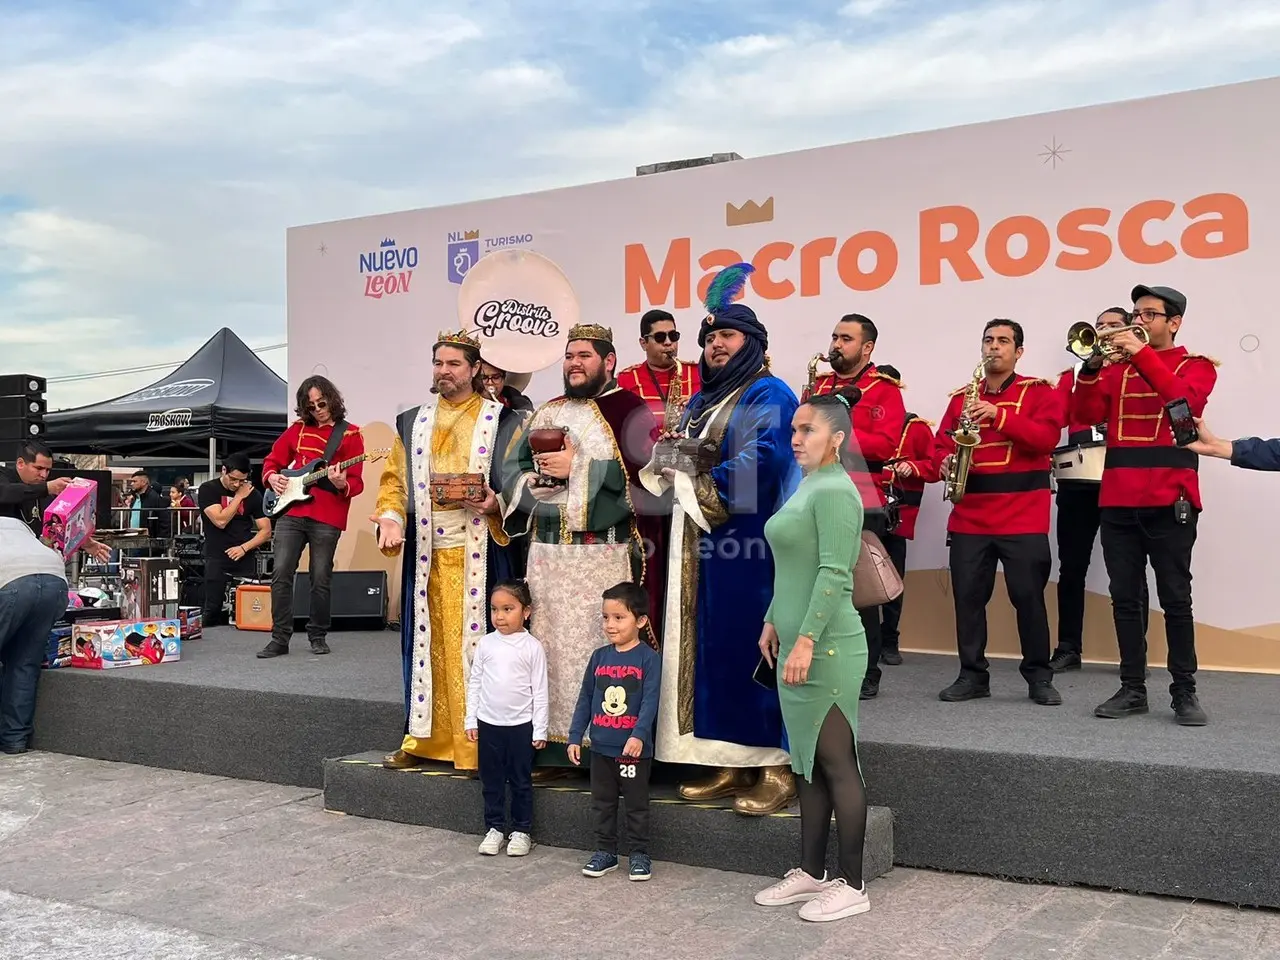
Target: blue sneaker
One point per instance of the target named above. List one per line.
(600, 864)
(641, 866)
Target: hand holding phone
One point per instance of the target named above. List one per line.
(1182, 422)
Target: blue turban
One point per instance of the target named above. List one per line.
(742, 366)
(736, 316)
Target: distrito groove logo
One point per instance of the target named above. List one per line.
(178, 390)
(528, 318)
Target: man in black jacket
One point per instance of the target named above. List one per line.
(148, 508)
(25, 486)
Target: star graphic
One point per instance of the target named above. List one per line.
(324, 250)
(1052, 154)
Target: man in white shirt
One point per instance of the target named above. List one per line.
(33, 594)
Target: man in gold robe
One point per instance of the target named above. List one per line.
(441, 487)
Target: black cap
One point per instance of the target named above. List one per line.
(1167, 294)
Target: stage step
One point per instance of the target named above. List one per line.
(700, 835)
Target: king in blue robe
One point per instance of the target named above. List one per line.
(720, 569)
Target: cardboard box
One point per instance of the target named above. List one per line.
(72, 517)
(151, 588)
(58, 652)
(107, 644)
(191, 619)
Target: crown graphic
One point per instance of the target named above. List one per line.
(388, 242)
(458, 338)
(591, 331)
(749, 212)
(471, 235)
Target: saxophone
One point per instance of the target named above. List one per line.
(966, 436)
(813, 371)
(674, 410)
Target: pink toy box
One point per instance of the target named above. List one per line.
(70, 520)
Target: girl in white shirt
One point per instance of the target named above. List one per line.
(507, 716)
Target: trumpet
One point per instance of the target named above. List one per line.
(1085, 342)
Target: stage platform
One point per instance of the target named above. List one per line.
(1000, 787)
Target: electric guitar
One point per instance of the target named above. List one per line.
(276, 505)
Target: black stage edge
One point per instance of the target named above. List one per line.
(696, 834)
(1001, 787)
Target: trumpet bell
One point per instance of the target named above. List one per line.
(1082, 339)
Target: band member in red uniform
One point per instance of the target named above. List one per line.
(1078, 519)
(912, 456)
(1150, 496)
(651, 380)
(1003, 516)
(877, 428)
(316, 523)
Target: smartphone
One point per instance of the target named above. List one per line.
(765, 675)
(1182, 423)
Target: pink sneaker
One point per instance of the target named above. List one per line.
(796, 887)
(837, 901)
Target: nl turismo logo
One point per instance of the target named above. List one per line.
(388, 270)
(464, 250)
(169, 420)
(179, 389)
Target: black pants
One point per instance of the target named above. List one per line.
(218, 570)
(1130, 538)
(1078, 520)
(506, 757)
(291, 535)
(891, 612)
(837, 787)
(1027, 561)
(873, 521)
(614, 777)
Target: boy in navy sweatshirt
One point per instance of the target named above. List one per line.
(619, 698)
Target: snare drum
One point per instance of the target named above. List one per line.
(1079, 463)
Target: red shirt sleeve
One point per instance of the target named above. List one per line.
(1192, 380)
(1090, 401)
(1038, 429)
(943, 444)
(282, 452)
(353, 446)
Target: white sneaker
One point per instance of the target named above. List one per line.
(796, 887)
(838, 901)
(491, 843)
(519, 845)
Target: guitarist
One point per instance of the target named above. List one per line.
(321, 432)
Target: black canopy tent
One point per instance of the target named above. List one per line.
(223, 398)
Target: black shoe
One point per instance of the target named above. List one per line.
(1128, 702)
(272, 649)
(1065, 660)
(890, 656)
(964, 689)
(870, 690)
(1186, 705)
(13, 748)
(318, 646)
(1045, 694)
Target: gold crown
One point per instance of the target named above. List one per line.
(591, 331)
(749, 212)
(457, 338)
(471, 235)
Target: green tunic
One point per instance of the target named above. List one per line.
(815, 539)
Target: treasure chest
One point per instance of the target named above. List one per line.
(686, 455)
(456, 487)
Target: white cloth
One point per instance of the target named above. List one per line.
(508, 683)
(23, 555)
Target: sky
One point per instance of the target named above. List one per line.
(152, 154)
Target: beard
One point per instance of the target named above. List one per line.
(841, 364)
(592, 387)
(448, 388)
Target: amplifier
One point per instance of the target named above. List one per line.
(358, 598)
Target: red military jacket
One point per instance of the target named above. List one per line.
(1075, 427)
(1007, 493)
(878, 419)
(916, 449)
(1144, 467)
(653, 386)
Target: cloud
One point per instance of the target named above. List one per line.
(154, 160)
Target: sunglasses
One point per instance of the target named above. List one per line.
(318, 405)
(662, 336)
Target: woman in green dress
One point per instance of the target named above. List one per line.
(813, 638)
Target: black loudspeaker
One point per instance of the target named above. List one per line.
(357, 599)
(22, 408)
(12, 384)
(17, 429)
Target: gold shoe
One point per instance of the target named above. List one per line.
(776, 789)
(725, 782)
(402, 761)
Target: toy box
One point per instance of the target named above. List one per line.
(72, 517)
(191, 619)
(106, 644)
(58, 652)
(150, 588)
